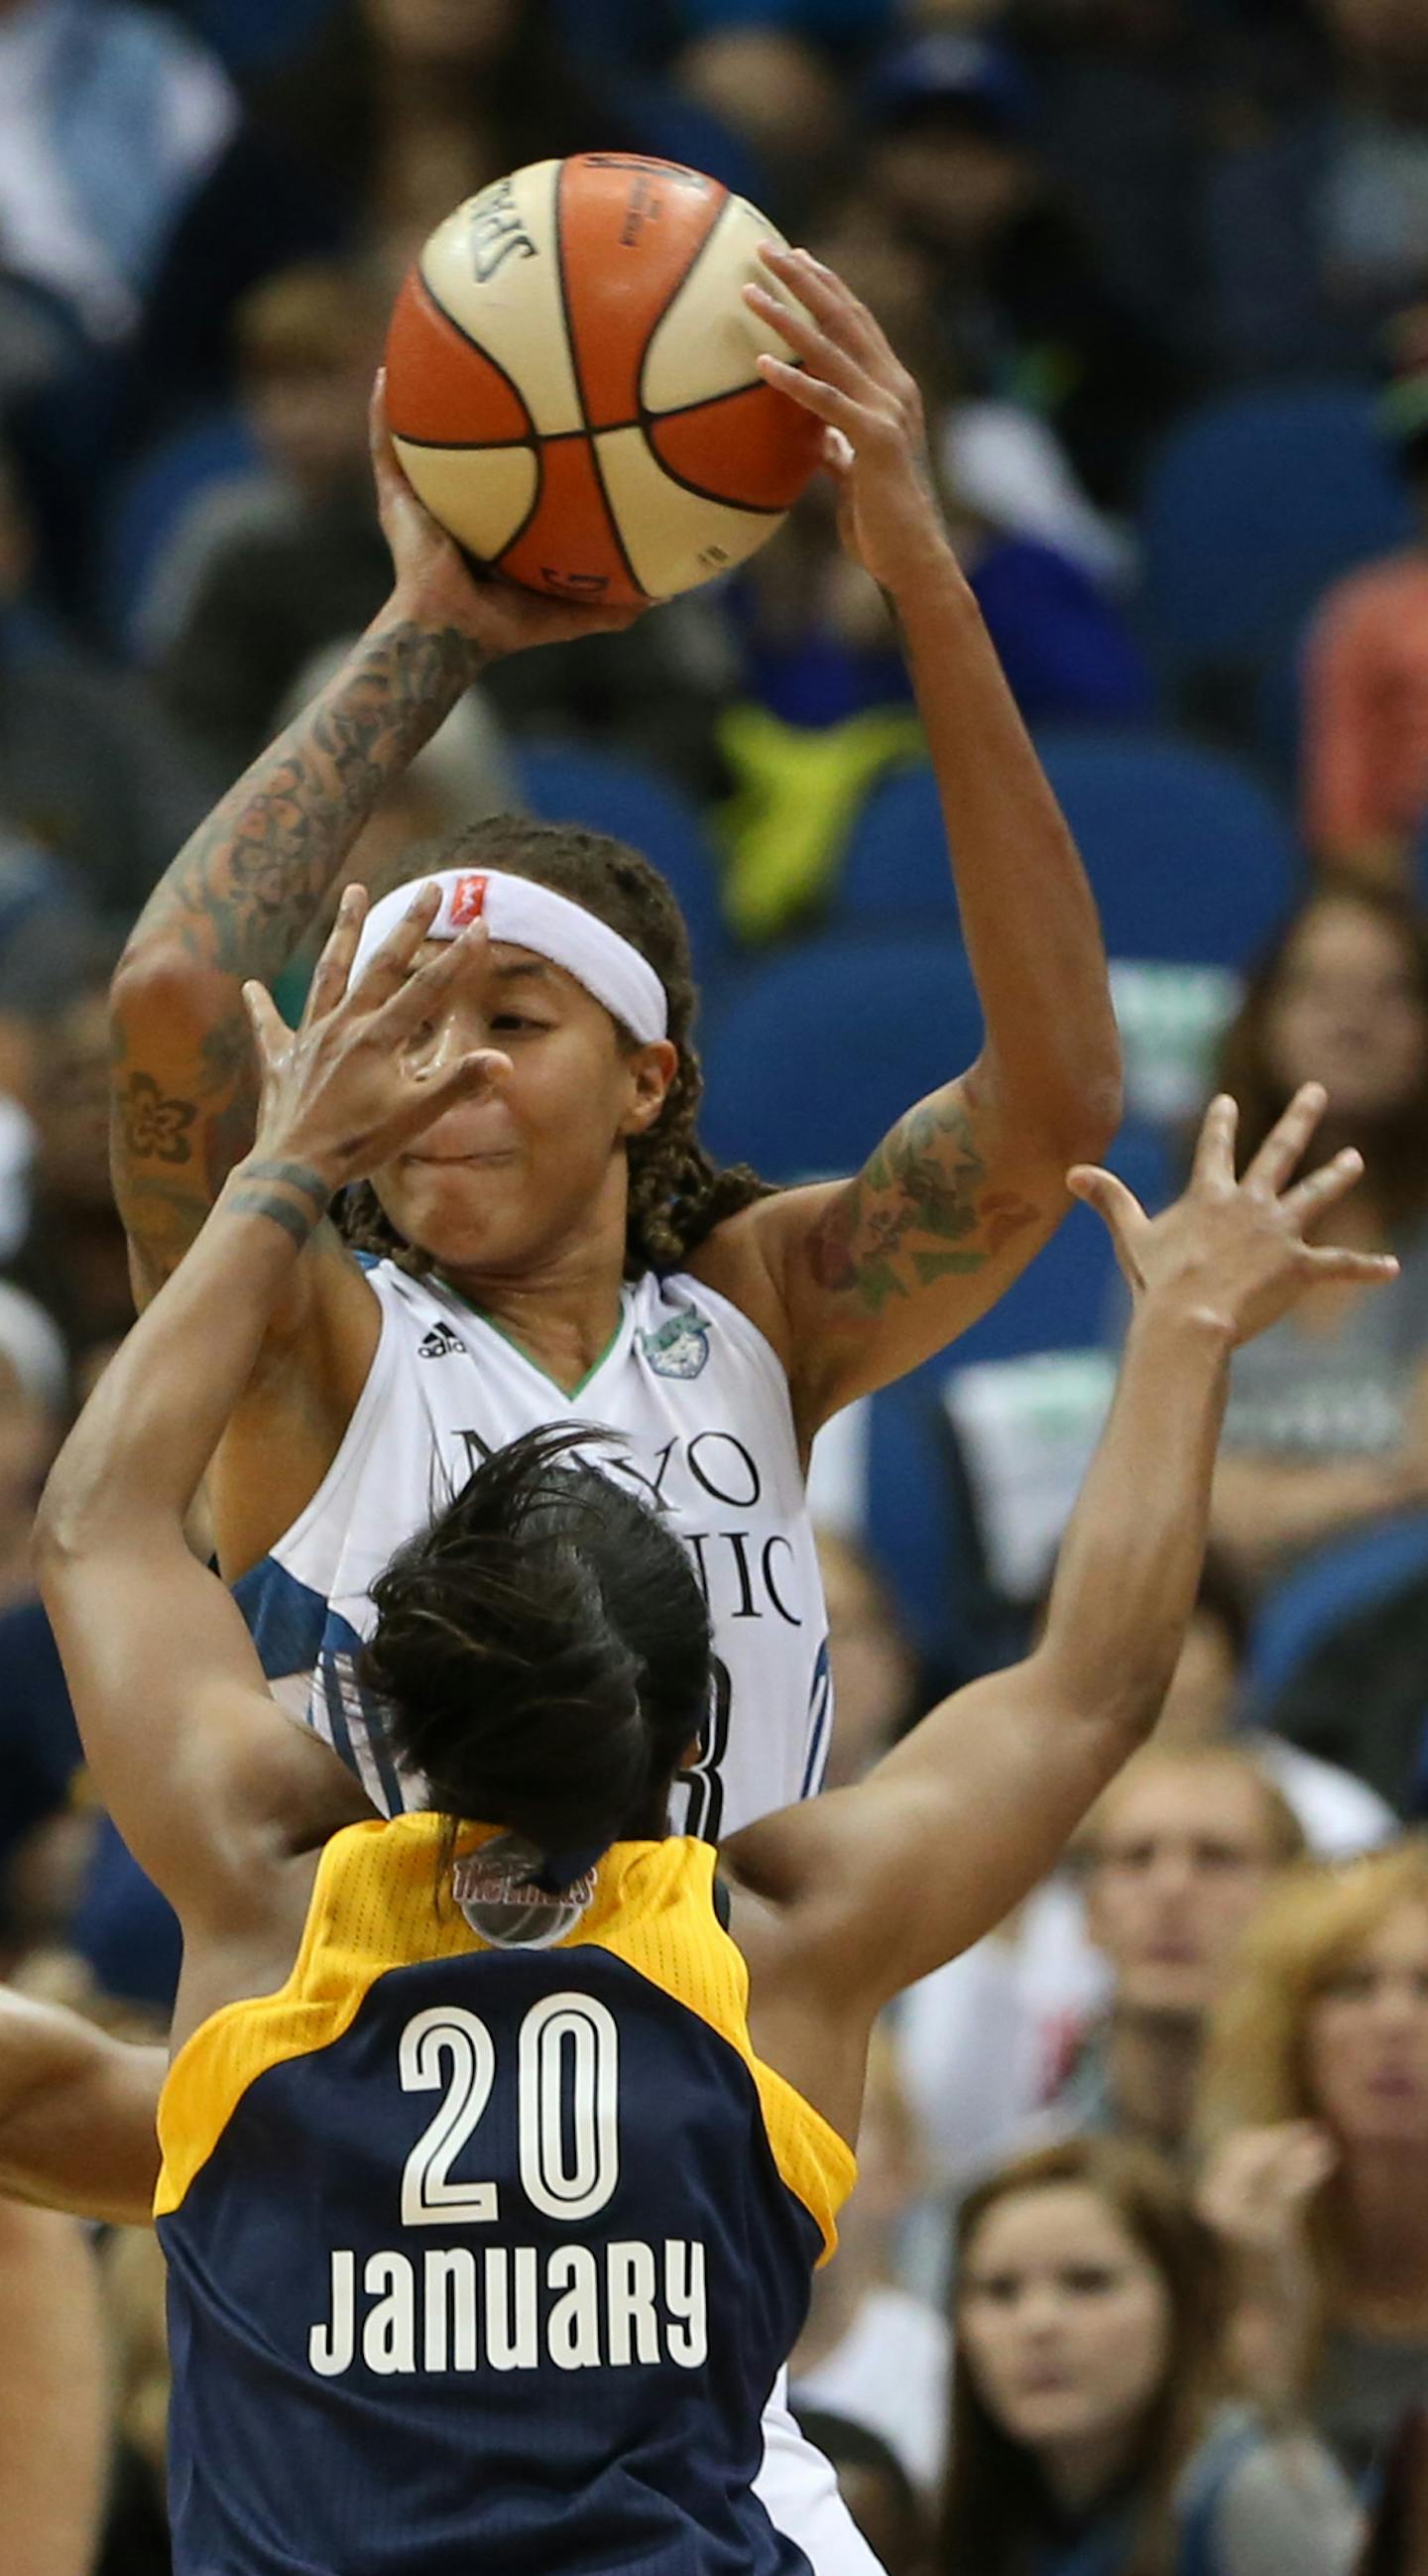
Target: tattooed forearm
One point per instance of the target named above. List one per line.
(242, 892)
(236, 903)
(291, 1194)
(919, 1211)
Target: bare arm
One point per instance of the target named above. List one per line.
(242, 894)
(77, 2113)
(874, 1887)
(210, 1785)
(54, 2400)
(881, 1271)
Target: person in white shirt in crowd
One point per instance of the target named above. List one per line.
(109, 117)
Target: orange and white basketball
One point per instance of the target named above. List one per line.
(571, 380)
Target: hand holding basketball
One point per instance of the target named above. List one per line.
(436, 584)
(1236, 1249)
(874, 445)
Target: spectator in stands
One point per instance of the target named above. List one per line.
(72, 1257)
(303, 562)
(1326, 1430)
(1316, 209)
(1365, 726)
(1398, 2543)
(826, 703)
(1086, 2438)
(394, 112)
(1206, 1704)
(984, 2042)
(951, 162)
(877, 2490)
(1178, 1855)
(1316, 2099)
(89, 771)
(776, 89)
(110, 116)
(870, 2350)
(1358, 1698)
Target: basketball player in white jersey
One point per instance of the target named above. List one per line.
(561, 1247)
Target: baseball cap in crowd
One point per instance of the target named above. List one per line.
(971, 77)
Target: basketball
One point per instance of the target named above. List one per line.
(571, 381)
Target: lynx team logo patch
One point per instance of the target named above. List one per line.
(680, 1347)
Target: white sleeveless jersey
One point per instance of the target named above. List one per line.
(707, 1430)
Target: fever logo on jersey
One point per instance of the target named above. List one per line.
(495, 1887)
(680, 1347)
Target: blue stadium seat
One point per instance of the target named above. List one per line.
(817, 1051)
(1191, 861)
(1070, 1296)
(1254, 505)
(565, 785)
(1327, 1588)
(895, 868)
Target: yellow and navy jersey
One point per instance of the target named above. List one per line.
(486, 2257)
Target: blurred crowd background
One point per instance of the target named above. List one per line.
(1149, 2169)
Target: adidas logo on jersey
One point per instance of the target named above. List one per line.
(439, 1343)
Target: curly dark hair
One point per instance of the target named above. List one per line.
(1395, 1144)
(677, 1195)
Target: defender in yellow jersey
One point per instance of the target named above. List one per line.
(501, 2139)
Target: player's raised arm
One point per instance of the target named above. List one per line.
(875, 1886)
(876, 1273)
(210, 1785)
(77, 2113)
(247, 887)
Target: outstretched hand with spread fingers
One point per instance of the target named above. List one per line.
(1236, 1249)
(340, 1094)
(875, 444)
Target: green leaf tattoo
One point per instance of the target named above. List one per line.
(888, 1233)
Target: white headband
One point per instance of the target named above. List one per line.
(536, 917)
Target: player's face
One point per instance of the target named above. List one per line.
(1367, 2038)
(1348, 1012)
(1064, 2322)
(512, 1184)
(1181, 1861)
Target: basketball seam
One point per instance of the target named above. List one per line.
(532, 443)
(572, 344)
(670, 302)
(682, 411)
(756, 509)
(532, 437)
(701, 491)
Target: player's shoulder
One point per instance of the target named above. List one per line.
(745, 1262)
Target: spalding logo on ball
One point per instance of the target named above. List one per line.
(571, 380)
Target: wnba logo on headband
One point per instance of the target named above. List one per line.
(468, 902)
(534, 916)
